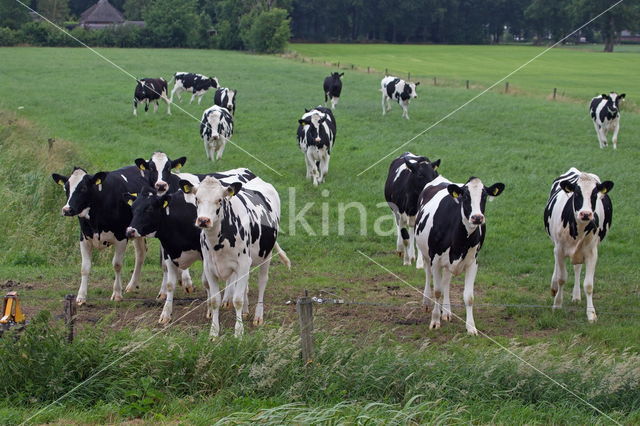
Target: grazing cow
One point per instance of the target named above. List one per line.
(605, 113)
(196, 84)
(240, 226)
(316, 136)
(226, 98)
(104, 217)
(170, 218)
(408, 174)
(450, 230)
(577, 217)
(332, 88)
(216, 128)
(150, 90)
(399, 90)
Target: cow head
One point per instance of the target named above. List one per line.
(422, 171)
(147, 209)
(409, 91)
(211, 197)
(231, 104)
(336, 76)
(615, 99)
(79, 188)
(584, 194)
(159, 168)
(213, 122)
(472, 198)
(214, 82)
(311, 122)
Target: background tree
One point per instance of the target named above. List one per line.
(13, 14)
(134, 9)
(55, 10)
(625, 16)
(169, 25)
(267, 31)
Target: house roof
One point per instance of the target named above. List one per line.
(102, 11)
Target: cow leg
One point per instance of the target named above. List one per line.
(590, 269)
(309, 162)
(146, 106)
(263, 277)
(200, 98)
(187, 283)
(213, 303)
(334, 102)
(469, 280)
(399, 239)
(205, 285)
(192, 97)
(241, 278)
(406, 241)
(419, 257)
(427, 298)
(227, 294)
(207, 149)
(405, 109)
(164, 97)
(616, 128)
(85, 251)
(575, 297)
(324, 166)
(155, 107)
(174, 91)
(411, 228)
(558, 279)
(165, 274)
(437, 294)
(602, 137)
(446, 303)
(140, 246)
(384, 106)
(135, 107)
(221, 145)
(118, 257)
(172, 278)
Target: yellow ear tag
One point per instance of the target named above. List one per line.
(603, 191)
(141, 167)
(135, 194)
(98, 181)
(435, 167)
(61, 182)
(231, 192)
(179, 166)
(130, 202)
(185, 189)
(455, 195)
(495, 191)
(165, 204)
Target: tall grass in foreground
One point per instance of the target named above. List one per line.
(386, 380)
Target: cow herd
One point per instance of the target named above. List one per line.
(230, 220)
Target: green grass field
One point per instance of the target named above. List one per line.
(372, 360)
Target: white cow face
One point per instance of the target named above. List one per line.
(311, 122)
(79, 187)
(211, 197)
(412, 87)
(472, 198)
(214, 122)
(585, 192)
(159, 167)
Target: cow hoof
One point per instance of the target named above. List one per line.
(190, 289)
(161, 296)
(245, 315)
(130, 288)
(446, 316)
(592, 317)
(554, 292)
(406, 263)
(116, 297)
(434, 325)
(399, 253)
(575, 299)
(227, 305)
(472, 331)
(81, 301)
(208, 315)
(258, 322)
(164, 319)
(556, 307)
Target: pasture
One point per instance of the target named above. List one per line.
(379, 350)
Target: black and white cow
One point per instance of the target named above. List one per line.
(605, 113)
(104, 217)
(170, 217)
(226, 98)
(216, 129)
(316, 137)
(158, 171)
(450, 230)
(332, 88)
(577, 217)
(240, 224)
(150, 90)
(394, 88)
(196, 84)
(408, 174)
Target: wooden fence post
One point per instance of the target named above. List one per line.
(467, 84)
(435, 81)
(70, 315)
(555, 90)
(338, 65)
(506, 87)
(368, 70)
(408, 76)
(304, 306)
(386, 72)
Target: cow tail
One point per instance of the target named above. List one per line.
(282, 255)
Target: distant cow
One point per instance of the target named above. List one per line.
(577, 217)
(104, 217)
(196, 84)
(316, 137)
(240, 225)
(170, 218)
(216, 129)
(150, 90)
(408, 174)
(332, 88)
(450, 230)
(605, 113)
(398, 90)
(226, 98)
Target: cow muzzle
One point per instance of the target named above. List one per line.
(161, 187)
(203, 222)
(132, 233)
(585, 216)
(477, 219)
(215, 137)
(67, 211)
(317, 139)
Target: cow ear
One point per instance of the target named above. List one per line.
(454, 190)
(59, 179)
(176, 164)
(411, 166)
(129, 197)
(605, 96)
(605, 187)
(622, 95)
(341, 74)
(567, 186)
(187, 187)
(142, 163)
(435, 164)
(233, 189)
(165, 200)
(98, 178)
(302, 122)
(417, 83)
(306, 110)
(495, 189)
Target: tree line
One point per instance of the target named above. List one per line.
(267, 25)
